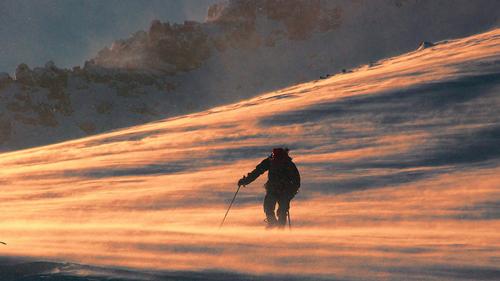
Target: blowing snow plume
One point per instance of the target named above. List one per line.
(244, 48)
(399, 163)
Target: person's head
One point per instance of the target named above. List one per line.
(280, 153)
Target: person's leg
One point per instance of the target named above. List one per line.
(284, 205)
(269, 206)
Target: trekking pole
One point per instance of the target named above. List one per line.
(289, 220)
(229, 206)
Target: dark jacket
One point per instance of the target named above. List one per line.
(283, 175)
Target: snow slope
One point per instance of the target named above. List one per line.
(243, 49)
(399, 160)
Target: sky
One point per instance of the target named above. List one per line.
(71, 31)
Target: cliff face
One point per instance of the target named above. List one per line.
(242, 49)
(298, 18)
(184, 47)
(165, 47)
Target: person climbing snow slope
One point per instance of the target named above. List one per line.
(282, 185)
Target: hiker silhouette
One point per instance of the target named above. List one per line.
(282, 185)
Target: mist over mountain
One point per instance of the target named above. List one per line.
(242, 49)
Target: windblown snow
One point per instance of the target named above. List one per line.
(399, 160)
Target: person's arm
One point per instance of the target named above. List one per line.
(253, 175)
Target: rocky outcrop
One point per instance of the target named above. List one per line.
(166, 47)
(299, 17)
(24, 74)
(425, 45)
(172, 48)
(5, 80)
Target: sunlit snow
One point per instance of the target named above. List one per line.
(399, 161)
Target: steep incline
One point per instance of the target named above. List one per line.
(243, 49)
(399, 159)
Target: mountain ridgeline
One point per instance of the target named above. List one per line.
(243, 48)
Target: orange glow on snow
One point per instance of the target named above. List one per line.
(152, 196)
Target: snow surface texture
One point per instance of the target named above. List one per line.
(399, 160)
(245, 48)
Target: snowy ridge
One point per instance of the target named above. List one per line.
(243, 49)
(399, 160)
